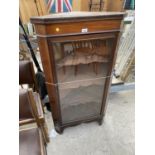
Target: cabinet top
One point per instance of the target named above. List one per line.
(68, 16)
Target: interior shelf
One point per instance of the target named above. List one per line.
(85, 76)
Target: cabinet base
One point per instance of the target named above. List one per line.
(60, 128)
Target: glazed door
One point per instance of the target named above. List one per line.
(81, 67)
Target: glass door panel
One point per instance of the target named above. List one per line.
(82, 68)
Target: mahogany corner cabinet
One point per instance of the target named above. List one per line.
(78, 52)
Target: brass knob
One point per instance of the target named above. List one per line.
(57, 29)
